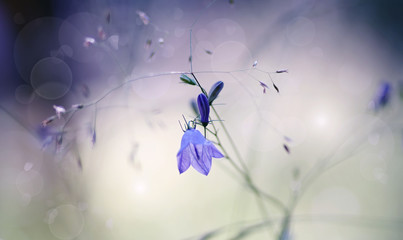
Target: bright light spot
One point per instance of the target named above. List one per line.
(139, 187)
(321, 120)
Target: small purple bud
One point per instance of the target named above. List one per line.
(204, 109)
(208, 52)
(214, 91)
(275, 87)
(77, 106)
(94, 137)
(383, 95)
(286, 148)
(264, 86)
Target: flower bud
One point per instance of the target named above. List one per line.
(204, 109)
(187, 80)
(214, 91)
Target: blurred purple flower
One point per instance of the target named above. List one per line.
(45, 136)
(383, 95)
(77, 106)
(196, 151)
(204, 109)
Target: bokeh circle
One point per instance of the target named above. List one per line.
(51, 78)
(66, 222)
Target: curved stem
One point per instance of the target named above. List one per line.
(243, 172)
(238, 155)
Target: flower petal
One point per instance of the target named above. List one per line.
(213, 151)
(196, 151)
(200, 161)
(192, 136)
(184, 158)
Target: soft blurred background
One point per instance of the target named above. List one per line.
(124, 184)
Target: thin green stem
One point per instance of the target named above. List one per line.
(245, 174)
(238, 155)
(198, 84)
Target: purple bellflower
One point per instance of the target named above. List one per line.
(204, 109)
(196, 151)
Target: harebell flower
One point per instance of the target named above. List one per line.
(197, 151)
